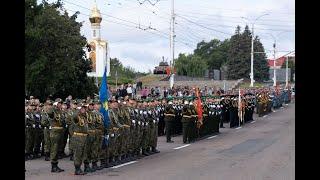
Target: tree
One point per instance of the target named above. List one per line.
(55, 63)
(239, 57)
(190, 65)
(213, 52)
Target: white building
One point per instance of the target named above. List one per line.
(99, 54)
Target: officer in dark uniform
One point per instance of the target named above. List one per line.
(169, 116)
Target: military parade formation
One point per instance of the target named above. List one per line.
(134, 125)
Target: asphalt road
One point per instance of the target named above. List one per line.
(264, 149)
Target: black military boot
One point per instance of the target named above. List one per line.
(55, 168)
(118, 160)
(123, 159)
(78, 171)
(154, 150)
(47, 156)
(144, 152)
(139, 154)
(94, 167)
(71, 157)
(87, 168)
(112, 161)
(107, 161)
(130, 157)
(30, 156)
(148, 151)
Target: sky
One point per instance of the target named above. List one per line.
(138, 30)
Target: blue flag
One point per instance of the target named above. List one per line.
(104, 104)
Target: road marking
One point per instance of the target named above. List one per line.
(131, 162)
(212, 137)
(182, 146)
(286, 104)
(253, 122)
(265, 116)
(282, 107)
(239, 127)
(274, 111)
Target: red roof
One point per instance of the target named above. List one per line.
(279, 61)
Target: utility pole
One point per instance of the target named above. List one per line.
(116, 78)
(252, 52)
(287, 72)
(172, 36)
(274, 65)
(251, 72)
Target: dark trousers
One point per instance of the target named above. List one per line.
(161, 126)
(168, 127)
(185, 132)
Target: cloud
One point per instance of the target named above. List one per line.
(143, 50)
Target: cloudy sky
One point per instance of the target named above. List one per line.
(124, 22)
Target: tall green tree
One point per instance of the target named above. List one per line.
(239, 57)
(190, 65)
(213, 52)
(55, 62)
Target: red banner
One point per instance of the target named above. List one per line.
(199, 108)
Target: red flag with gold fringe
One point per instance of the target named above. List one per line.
(199, 108)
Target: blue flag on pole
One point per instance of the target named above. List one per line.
(104, 99)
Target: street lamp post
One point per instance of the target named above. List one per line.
(287, 71)
(252, 39)
(274, 57)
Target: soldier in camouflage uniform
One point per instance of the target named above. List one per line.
(29, 130)
(145, 128)
(71, 113)
(126, 111)
(91, 138)
(45, 123)
(79, 138)
(38, 131)
(133, 130)
(100, 131)
(56, 133)
(124, 120)
(114, 134)
(63, 140)
(152, 119)
(138, 129)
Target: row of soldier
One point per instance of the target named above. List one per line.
(132, 132)
(133, 129)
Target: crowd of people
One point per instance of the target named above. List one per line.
(135, 122)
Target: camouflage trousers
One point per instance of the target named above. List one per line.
(78, 144)
(55, 139)
(125, 141)
(29, 144)
(144, 138)
(38, 139)
(111, 148)
(97, 146)
(70, 140)
(46, 140)
(88, 150)
(137, 138)
(154, 135)
(63, 140)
